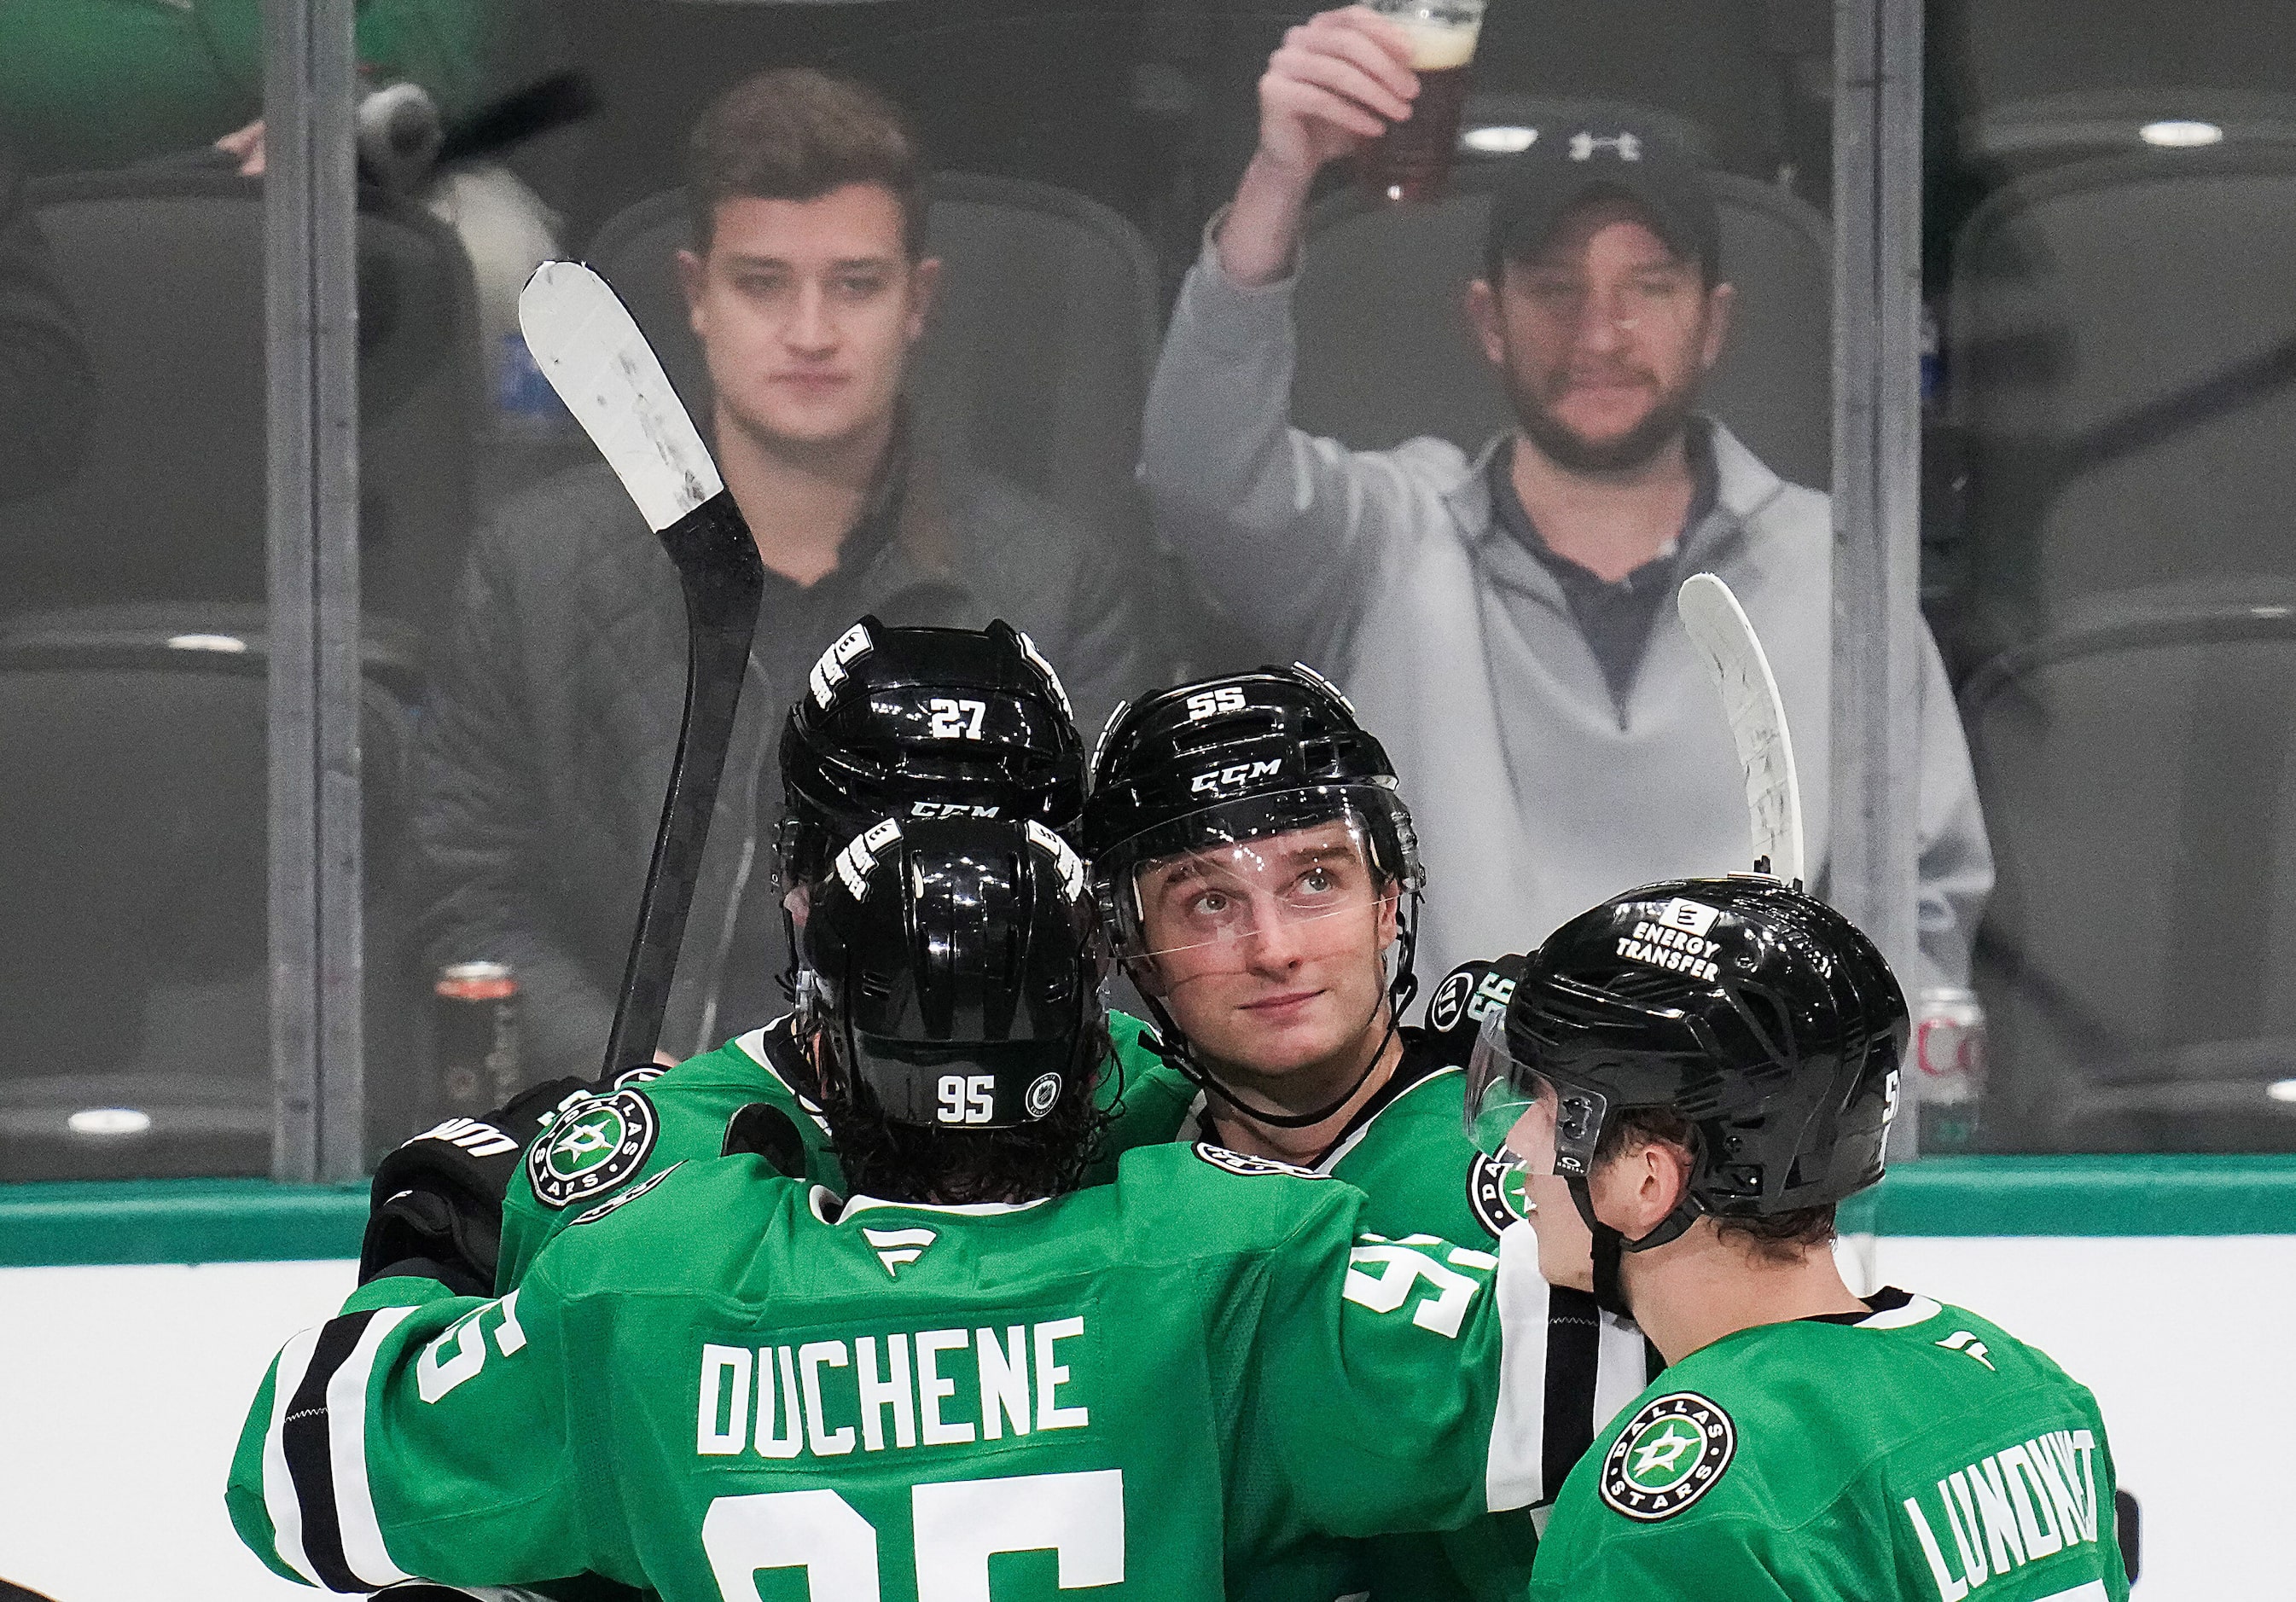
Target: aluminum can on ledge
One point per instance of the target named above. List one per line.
(475, 1030)
(1950, 1064)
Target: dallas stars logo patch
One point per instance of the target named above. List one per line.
(593, 1146)
(1496, 1194)
(1251, 1167)
(1670, 1454)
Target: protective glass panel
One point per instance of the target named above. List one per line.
(2106, 464)
(135, 1008)
(953, 444)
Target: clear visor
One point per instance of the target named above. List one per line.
(1517, 1114)
(1218, 904)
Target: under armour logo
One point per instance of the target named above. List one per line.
(1584, 144)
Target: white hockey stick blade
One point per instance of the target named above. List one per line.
(589, 347)
(1719, 627)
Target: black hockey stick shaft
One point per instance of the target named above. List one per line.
(722, 582)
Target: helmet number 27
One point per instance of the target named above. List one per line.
(956, 719)
(966, 1098)
(960, 1525)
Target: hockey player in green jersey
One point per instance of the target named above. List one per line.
(897, 721)
(1691, 1075)
(1259, 880)
(728, 1384)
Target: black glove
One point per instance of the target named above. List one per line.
(440, 1196)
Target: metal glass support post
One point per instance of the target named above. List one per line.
(1877, 745)
(311, 333)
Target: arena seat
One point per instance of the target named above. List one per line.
(2026, 134)
(134, 969)
(1728, 64)
(2120, 358)
(1035, 364)
(2002, 52)
(164, 268)
(1386, 352)
(2139, 957)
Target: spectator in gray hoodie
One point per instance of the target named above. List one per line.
(1504, 622)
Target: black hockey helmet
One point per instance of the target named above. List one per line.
(1208, 770)
(954, 983)
(924, 723)
(1755, 1012)
(1231, 759)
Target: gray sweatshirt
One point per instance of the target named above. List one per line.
(1536, 793)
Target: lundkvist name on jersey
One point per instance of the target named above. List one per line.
(827, 1398)
(2015, 1506)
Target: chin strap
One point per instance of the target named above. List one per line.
(1172, 1046)
(1611, 1246)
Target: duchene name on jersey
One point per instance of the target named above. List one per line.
(2015, 1506)
(910, 1388)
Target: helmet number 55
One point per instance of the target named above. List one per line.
(967, 1097)
(956, 719)
(960, 1525)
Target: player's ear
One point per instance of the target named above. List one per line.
(1482, 308)
(924, 293)
(1719, 301)
(1389, 896)
(1657, 1173)
(692, 272)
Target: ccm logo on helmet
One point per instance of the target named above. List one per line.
(1244, 773)
(949, 809)
(1070, 865)
(1211, 703)
(858, 860)
(829, 673)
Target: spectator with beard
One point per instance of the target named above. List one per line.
(1504, 622)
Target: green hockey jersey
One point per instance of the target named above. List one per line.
(720, 1384)
(1420, 1175)
(597, 1145)
(1918, 1453)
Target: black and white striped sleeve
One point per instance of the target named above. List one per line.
(1567, 1370)
(314, 1471)
(429, 1440)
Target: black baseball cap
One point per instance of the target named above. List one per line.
(1570, 161)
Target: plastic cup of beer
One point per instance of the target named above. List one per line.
(1412, 161)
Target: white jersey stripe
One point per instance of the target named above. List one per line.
(279, 1500)
(1621, 1369)
(2093, 1592)
(364, 1553)
(1514, 1472)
